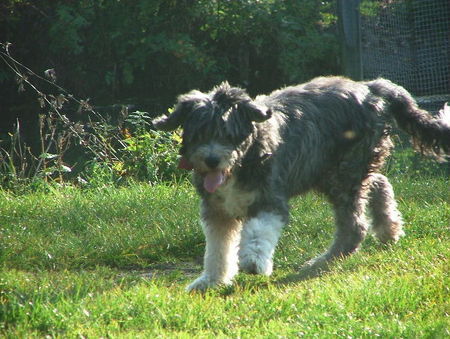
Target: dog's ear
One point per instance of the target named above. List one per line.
(254, 111)
(181, 112)
(173, 121)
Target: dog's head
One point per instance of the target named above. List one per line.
(217, 127)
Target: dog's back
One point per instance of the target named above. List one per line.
(334, 125)
(325, 126)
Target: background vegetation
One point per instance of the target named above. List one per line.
(155, 49)
(112, 58)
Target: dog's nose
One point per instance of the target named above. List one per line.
(212, 161)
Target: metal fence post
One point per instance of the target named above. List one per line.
(349, 26)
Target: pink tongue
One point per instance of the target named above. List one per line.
(213, 180)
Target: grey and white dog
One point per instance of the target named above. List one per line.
(250, 156)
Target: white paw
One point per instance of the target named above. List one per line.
(203, 282)
(256, 264)
(317, 263)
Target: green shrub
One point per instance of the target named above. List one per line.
(142, 154)
(151, 156)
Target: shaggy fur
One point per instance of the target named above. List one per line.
(250, 156)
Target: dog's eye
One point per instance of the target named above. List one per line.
(182, 150)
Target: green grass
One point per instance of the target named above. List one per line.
(114, 263)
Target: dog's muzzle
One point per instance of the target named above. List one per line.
(212, 179)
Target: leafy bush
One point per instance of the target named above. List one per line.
(151, 156)
(153, 49)
(147, 155)
(143, 155)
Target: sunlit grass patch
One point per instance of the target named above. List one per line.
(114, 263)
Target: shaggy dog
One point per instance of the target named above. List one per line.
(250, 156)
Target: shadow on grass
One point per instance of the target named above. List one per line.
(185, 271)
(169, 272)
(302, 275)
(251, 283)
(321, 268)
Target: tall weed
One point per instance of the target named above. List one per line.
(94, 150)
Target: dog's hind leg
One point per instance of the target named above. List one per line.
(351, 225)
(221, 255)
(259, 238)
(387, 220)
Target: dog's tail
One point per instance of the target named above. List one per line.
(430, 134)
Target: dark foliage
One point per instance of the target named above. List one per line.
(148, 51)
(72, 71)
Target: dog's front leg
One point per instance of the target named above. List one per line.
(221, 256)
(259, 238)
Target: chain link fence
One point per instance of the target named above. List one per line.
(406, 41)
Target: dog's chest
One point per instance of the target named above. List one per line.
(232, 200)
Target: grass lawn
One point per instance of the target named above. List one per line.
(114, 263)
